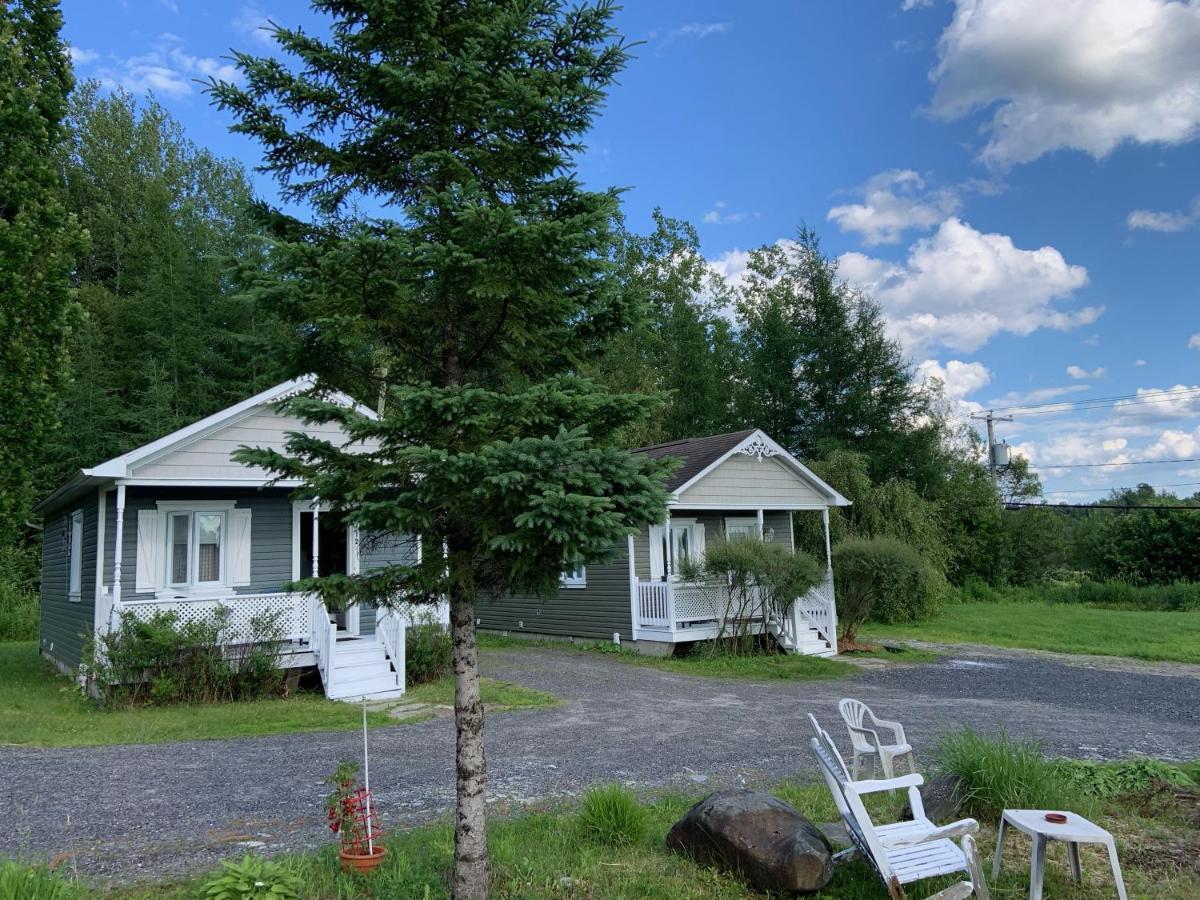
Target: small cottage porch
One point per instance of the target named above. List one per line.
(666, 608)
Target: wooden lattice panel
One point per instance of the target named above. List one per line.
(292, 611)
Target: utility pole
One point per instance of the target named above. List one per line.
(993, 463)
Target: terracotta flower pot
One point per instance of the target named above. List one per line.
(362, 862)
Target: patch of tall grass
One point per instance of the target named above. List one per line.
(22, 882)
(19, 574)
(1180, 596)
(1002, 773)
(611, 815)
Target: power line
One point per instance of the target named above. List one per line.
(1093, 490)
(1136, 462)
(1128, 507)
(1087, 403)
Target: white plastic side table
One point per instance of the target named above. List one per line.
(1075, 831)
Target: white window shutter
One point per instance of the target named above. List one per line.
(151, 549)
(239, 547)
(657, 566)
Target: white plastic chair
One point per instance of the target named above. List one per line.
(906, 851)
(864, 738)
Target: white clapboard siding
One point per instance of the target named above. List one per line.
(746, 481)
(210, 456)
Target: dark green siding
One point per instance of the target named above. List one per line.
(375, 552)
(593, 612)
(270, 533)
(66, 625)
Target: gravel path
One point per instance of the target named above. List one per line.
(174, 807)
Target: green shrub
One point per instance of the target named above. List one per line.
(428, 649)
(883, 579)
(1002, 773)
(1116, 779)
(19, 576)
(611, 815)
(20, 882)
(162, 660)
(750, 581)
(253, 878)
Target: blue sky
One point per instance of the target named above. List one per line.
(1017, 183)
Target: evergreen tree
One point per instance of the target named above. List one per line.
(39, 240)
(470, 310)
(819, 372)
(166, 337)
(683, 347)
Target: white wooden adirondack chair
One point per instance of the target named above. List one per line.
(864, 728)
(903, 852)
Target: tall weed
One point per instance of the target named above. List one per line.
(611, 815)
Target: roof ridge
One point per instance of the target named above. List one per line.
(701, 437)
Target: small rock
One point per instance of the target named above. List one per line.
(698, 778)
(758, 837)
(943, 798)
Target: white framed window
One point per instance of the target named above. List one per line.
(75, 557)
(671, 544)
(575, 578)
(741, 529)
(196, 548)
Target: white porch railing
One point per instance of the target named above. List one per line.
(291, 612)
(819, 609)
(322, 640)
(391, 629)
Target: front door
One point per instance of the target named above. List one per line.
(332, 555)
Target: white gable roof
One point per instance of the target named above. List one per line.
(176, 457)
(773, 460)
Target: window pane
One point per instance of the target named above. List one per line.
(208, 538)
(179, 549)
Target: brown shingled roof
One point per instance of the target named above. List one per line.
(697, 453)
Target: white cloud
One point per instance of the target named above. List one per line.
(959, 380)
(81, 57)
(701, 29)
(1194, 341)
(915, 4)
(1081, 373)
(1146, 220)
(252, 22)
(720, 214)
(1037, 395)
(1080, 74)
(894, 201)
(731, 265)
(959, 288)
(1139, 362)
(166, 69)
(1160, 404)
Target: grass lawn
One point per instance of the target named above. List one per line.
(498, 696)
(1066, 628)
(772, 667)
(546, 853)
(40, 707)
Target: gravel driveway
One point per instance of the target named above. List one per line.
(173, 807)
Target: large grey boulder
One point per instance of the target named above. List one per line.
(758, 837)
(943, 798)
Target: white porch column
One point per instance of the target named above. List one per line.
(828, 552)
(833, 622)
(316, 539)
(118, 541)
(761, 532)
(633, 592)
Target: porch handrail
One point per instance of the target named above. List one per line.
(819, 609)
(322, 640)
(656, 604)
(292, 609)
(392, 630)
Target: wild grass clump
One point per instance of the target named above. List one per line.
(1002, 773)
(19, 575)
(611, 815)
(1104, 780)
(21, 882)
(428, 649)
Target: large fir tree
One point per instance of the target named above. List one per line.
(470, 307)
(38, 243)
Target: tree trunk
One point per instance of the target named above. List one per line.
(471, 867)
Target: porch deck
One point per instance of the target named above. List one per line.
(675, 611)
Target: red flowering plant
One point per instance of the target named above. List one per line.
(344, 807)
